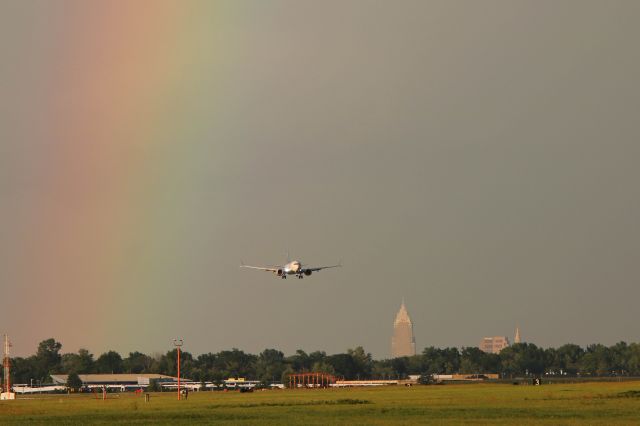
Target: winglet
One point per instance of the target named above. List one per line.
(241, 263)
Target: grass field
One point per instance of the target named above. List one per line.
(574, 404)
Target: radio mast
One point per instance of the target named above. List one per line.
(7, 394)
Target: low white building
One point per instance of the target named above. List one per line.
(122, 381)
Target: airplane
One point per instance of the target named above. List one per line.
(291, 268)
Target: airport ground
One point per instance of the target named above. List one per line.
(558, 404)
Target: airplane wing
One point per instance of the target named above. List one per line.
(262, 268)
(320, 268)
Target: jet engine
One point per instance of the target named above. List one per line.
(307, 272)
(279, 272)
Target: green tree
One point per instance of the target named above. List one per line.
(415, 364)
(284, 378)
(170, 363)
(473, 360)
(86, 361)
(269, 365)
(441, 361)
(344, 365)
(235, 363)
(300, 362)
(596, 361)
(323, 367)
(619, 355)
(110, 363)
(47, 359)
(566, 359)
(383, 370)
(633, 360)
(315, 357)
(137, 363)
(73, 381)
(400, 367)
(521, 359)
(362, 362)
(82, 362)
(49, 351)
(24, 370)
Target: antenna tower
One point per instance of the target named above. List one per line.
(6, 364)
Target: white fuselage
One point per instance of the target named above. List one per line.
(292, 268)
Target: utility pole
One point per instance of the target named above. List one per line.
(178, 344)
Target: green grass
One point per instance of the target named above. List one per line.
(573, 404)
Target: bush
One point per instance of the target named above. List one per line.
(73, 381)
(426, 379)
(154, 386)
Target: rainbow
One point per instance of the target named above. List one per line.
(115, 107)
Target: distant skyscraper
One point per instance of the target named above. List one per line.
(403, 343)
(516, 339)
(493, 345)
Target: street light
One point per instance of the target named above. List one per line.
(178, 344)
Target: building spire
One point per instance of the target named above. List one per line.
(402, 316)
(403, 342)
(516, 339)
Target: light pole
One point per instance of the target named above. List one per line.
(178, 343)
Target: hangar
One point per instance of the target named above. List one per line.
(122, 381)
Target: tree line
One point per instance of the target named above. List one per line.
(272, 365)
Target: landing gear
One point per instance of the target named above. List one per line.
(300, 276)
(284, 277)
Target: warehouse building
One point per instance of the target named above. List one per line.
(122, 381)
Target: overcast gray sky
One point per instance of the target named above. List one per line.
(478, 158)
